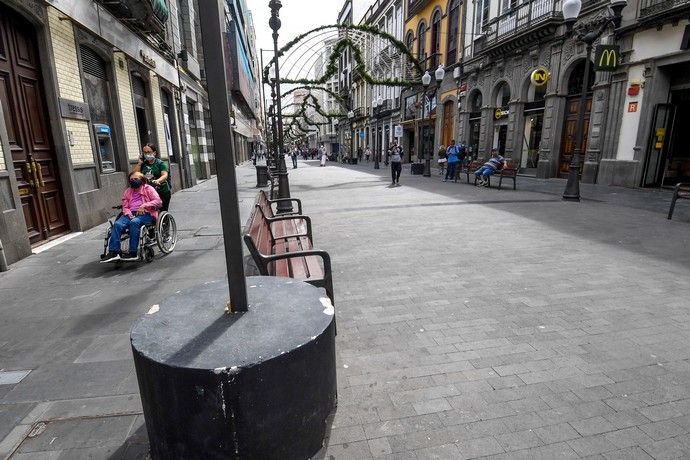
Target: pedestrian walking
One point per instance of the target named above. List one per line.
(367, 153)
(294, 158)
(359, 153)
(323, 157)
(453, 156)
(442, 160)
(396, 162)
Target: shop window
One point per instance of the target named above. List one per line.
(97, 90)
(536, 93)
(169, 126)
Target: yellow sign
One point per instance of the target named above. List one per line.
(500, 113)
(540, 76)
(660, 134)
(606, 57)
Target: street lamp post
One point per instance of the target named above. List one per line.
(284, 206)
(426, 81)
(350, 116)
(375, 103)
(587, 33)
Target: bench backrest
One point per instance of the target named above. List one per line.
(259, 231)
(262, 202)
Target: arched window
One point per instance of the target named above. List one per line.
(536, 93)
(409, 39)
(453, 28)
(436, 39)
(421, 42)
(476, 101)
(502, 95)
(577, 77)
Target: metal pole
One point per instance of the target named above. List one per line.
(213, 32)
(283, 184)
(376, 137)
(427, 155)
(572, 188)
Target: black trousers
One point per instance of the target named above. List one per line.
(396, 169)
(165, 198)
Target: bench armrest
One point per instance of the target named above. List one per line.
(281, 200)
(307, 219)
(310, 252)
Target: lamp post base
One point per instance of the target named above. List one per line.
(427, 168)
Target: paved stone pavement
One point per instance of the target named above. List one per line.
(472, 322)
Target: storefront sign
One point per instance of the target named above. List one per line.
(148, 60)
(74, 109)
(540, 76)
(606, 57)
(501, 113)
(462, 90)
(632, 107)
(660, 134)
(398, 131)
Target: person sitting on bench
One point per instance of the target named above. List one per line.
(495, 163)
(140, 203)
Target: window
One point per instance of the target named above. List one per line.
(476, 102)
(409, 39)
(141, 109)
(482, 16)
(502, 95)
(453, 27)
(421, 42)
(169, 126)
(436, 39)
(95, 77)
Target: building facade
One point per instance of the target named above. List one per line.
(85, 84)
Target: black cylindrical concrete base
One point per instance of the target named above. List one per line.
(258, 384)
(261, 175)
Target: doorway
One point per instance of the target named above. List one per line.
(196, 152)
(141, 106)
(575, 83)
(668, 162)
(28, 129)
(500, 136)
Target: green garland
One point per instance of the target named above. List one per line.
(332, 67)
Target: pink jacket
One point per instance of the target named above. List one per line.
(151, 200)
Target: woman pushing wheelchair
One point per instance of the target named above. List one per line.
(140, 203)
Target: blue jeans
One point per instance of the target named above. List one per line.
(134, 226)
(450, 172)
(484, 171)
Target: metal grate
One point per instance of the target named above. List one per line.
(92, 63)
(138, 86)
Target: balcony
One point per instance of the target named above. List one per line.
(522, 25)
(415, 6)
(145, 16)
(660, 9)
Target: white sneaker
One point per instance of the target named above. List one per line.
(480, 182)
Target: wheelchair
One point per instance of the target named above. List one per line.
(162, 233)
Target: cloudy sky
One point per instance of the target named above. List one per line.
(297, 17)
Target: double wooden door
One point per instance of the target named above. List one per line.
(569, 135)
(28, 129)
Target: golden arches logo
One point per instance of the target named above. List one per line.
(607, 56)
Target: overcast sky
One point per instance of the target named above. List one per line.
(297, 17)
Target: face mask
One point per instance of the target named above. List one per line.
(149, 157)
(135, 183)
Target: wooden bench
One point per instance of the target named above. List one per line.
(508, 172)
(287, 223)
(291, 256)
(681, 191)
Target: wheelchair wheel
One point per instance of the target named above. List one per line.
(166, 233)
(148, 254)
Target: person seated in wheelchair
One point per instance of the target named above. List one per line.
(140, 203)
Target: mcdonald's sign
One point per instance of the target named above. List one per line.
(607, 57)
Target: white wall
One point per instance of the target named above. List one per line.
(654, 43)
(631, 120)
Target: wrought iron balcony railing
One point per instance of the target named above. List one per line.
(657, 8)
(146, 16)
(523, 17)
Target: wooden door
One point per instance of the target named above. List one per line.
(33, 155)
(568, 138)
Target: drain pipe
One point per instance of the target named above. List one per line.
(3, 260)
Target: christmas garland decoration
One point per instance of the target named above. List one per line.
(332, 67)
